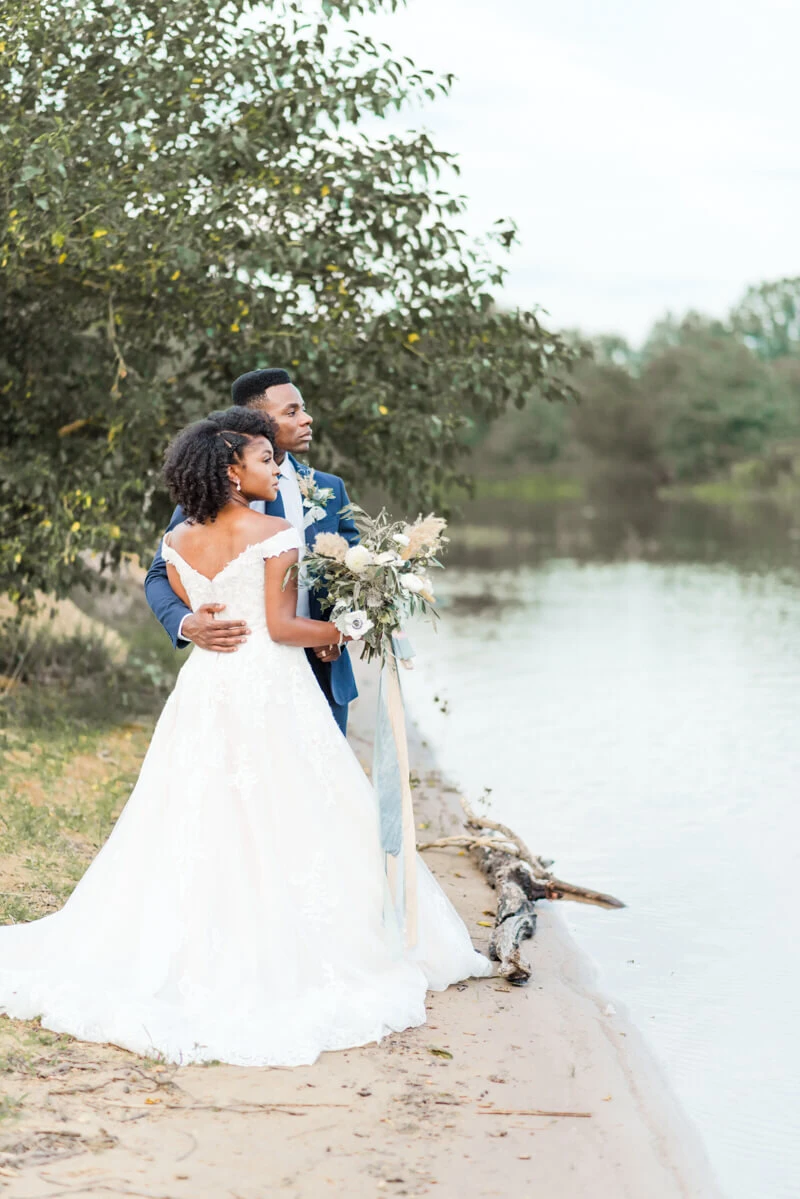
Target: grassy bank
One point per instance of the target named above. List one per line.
(736, 491)
(530, 488)
(743, 484)
(75, 721)
(76, 716)
(62, 791)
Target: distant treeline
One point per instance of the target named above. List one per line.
(702, 399)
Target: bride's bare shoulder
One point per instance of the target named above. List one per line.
(213, 544)
(178, 533)
(260, 526)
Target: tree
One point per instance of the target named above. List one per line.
(616, 425)
(692, 329)
(186, 195)
(521, 439)
(768, 318)
(610, 349)
(716, 402)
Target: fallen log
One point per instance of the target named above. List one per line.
(520, 879)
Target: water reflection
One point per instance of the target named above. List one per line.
(492, 534)
(626, 679)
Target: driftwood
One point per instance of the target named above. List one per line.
(520, 878)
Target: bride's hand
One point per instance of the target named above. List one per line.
(328, 653)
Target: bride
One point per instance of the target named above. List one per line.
(238, 912)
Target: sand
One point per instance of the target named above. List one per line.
(400, 1118)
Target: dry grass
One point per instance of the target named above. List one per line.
(73, 732)
(61, 796)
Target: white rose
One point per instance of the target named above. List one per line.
(412, 583)
(353, 624)
(387, 558)
(401, 539)
(358, 558)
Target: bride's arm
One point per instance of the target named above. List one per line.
(284, 625)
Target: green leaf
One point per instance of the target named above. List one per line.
(135, 166)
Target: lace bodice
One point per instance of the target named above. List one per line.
(240, 583)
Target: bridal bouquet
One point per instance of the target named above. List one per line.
(373, 587)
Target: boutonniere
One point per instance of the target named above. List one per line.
(315, 498)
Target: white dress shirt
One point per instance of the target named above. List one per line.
(289, 490)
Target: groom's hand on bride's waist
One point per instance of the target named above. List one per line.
(204, 630)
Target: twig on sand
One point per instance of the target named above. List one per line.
(520, 878)
(103, 1186)
(57, 1132)
(46, 1145)
(244, 1107)
(191, 1148)
(86, 1090)
(532, 1111)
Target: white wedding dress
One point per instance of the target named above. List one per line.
(237, 911)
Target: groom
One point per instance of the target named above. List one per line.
(271, 392)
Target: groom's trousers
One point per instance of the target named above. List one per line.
(322, 673)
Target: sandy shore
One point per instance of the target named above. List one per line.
(443, 1109)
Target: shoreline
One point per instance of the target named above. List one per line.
(443, 1109)
(646, 1144)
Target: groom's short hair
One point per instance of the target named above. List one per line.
(253, 385)
(241, 419)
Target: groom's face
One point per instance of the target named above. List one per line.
(284, 404)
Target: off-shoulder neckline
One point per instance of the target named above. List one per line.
(252, 546)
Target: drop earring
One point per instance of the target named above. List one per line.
(238, 485)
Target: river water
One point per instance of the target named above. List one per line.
(626, 682)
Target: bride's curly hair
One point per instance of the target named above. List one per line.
(197, 460)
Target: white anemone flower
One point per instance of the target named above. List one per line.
(354, 624)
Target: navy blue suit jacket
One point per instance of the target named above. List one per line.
(170, 610)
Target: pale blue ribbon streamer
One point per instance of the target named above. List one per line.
(385, 768)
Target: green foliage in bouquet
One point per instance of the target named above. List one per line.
(189, 193)
(373, 587)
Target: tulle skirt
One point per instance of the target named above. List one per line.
(238, 911)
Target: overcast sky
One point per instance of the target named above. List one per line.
(648, 150)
